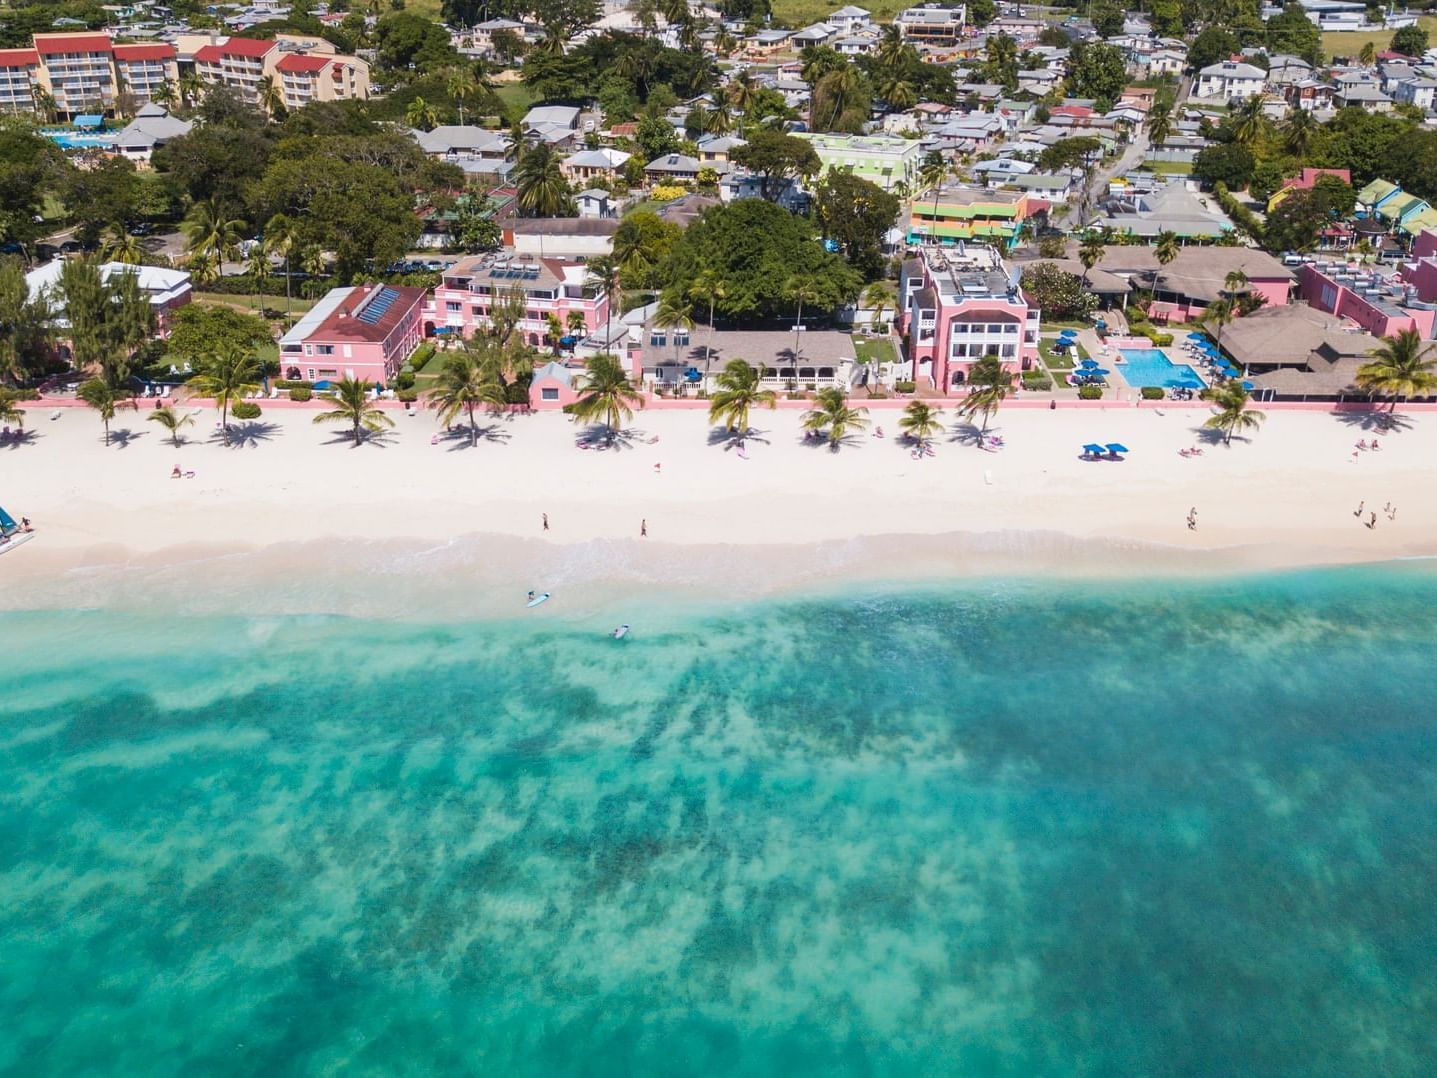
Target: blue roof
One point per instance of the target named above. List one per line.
(89, 121)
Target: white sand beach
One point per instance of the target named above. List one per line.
(1286, 496)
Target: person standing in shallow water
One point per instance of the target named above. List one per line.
(643, 528)
(546, 521)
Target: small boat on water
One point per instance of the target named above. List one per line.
(621, 632)
(12, 534)
(535, 600)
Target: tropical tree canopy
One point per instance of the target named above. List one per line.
(1402, 367)
(606, 394)
(354, 405)
(737, 393)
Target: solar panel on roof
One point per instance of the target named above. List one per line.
(375, 309)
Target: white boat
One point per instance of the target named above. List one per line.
(540, 598)
(621, 632)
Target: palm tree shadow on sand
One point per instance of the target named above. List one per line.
(964, 432)
(247, 434)
(459, 438)
(16, 438)
(1373, 422)
(121, 437)
(381, 439)
(1213, 436)
(598, 436)
(732, 439)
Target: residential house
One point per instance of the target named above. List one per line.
(151, 128)
(468, 290)
(850, 20)
(1184, 288)
(957, 212)
(1364, 95)
(767, 42)
(882, 159)
(1417, 90)
(481, 38)
(673, 168)
(717, 149)
(1229, 79)
(1165, 61)
(451, 142)
(561, 237)
(932, 24)
(957, 306)
(586, 166)
(556, 125)
(1305, 181)
(851, 45)
(1170, 208)
(1283, 70)
(1309, 94)
(1297, 352)
(596, 202)
(166, 289)
(1050, 186)
(820, 33)
(364, 332)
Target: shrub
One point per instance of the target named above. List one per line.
(1159, 338)
(292, 383)
(1090, 393)
(408, 396)
(667, 192)
(904, 387)
(1037, 380)
(422, 355)
(1153, 393)
(404, 380)
(301, 393)
(246, 410)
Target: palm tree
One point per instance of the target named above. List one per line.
(9, 412)
(891, 47)
(898, 92)
(743, 91)
(44, 103)
(830, 413)
(227, 378)
(575, 322)
(1367, 54)
(1168, 248)
(281, 233)
(192, 87)
(1002, 58)
(920, 422)
(1299, 131)
(843, 85)
(542, 189)
(104, 398)
(172, 421)
(879, 296)
(1249, 122)
(1402, 368)
(739, 391)
(993, 382)
(1160, 124)
(354, 405)
(605, 270)
(211, 233)
(421, 114)
(258, 267)
(165, 94)
(708, 285)
(932, 171)
(1219, 312)
(1234, 412)
(203, 269)
(607, 395)
(1091, 252)
(1234, 283)
(120, 246)
(673, 315)
(314, 262)
(463, 385)
(268, 95)
(460, 85)
(554, 329)
(801, 289)
(818, 61)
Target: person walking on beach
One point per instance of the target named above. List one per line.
(546, 521)
(1192, 519)
(1372, 521)
(643, 528)
(1392, 513)
(1358, 513)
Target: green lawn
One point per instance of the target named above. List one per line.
(1056, 363)
(298, 305)
(515, 95)
(801, 13)
(1350, 44)
(51, 208)
(874, 350)
(1169, 168)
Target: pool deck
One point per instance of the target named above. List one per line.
(1174, 354)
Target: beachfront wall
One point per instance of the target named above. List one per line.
(1379, 316)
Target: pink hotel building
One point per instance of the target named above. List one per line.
(364, 332)
(958, 305)
(462, 299)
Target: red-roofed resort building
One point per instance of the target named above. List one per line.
(364, 332)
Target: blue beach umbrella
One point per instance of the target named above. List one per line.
(1096, 372)
(1092, 449)
(1087, 364)
(1197, 336)
(1117, 447)
(1248, 386)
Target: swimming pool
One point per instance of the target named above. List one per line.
(69, 139)
(1150, 367)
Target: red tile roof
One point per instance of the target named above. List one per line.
(49, 44)
(19, 58)
(208, 53)
(246, 46)
(145, 52)
(296, 63)
(342, 325)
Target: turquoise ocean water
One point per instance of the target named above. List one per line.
(1002, 827)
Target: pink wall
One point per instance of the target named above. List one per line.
(371, 361)
(1337, 299)
(936, 350)
(436, 312)
(562, 395)
(1276, 292)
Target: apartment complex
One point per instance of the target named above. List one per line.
(303, 69)
(931, 24)
(89, 74)
(881, 159)
(550, 286)
(82, 73)
(364, 332)
(959, 213)
(959, 305)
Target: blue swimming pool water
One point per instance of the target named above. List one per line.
(78, 140)
(1150, 367)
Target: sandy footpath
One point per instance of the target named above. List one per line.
(1285, 497)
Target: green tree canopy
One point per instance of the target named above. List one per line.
(1410, 40)
(1056, 292)
(200, 330)
(1210, 46)
(753, 248)
(1292, 32)
(777, 157)
(856, 214)
(1098, 71)
(1226, 163)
